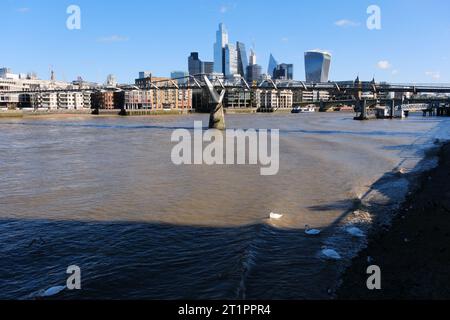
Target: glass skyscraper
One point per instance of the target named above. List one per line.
(219, 49)
(231, 60)
(317, 66)
(254, 72)
(284, 72)
(272, 65)
(195, 65)
(242, 59)
(208, 67)
(252, 57)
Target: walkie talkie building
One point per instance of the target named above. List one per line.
(317, 66)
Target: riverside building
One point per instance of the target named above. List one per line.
(274, 99)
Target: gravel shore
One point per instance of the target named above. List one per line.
(414, 254)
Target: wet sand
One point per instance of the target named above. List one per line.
(414, 253)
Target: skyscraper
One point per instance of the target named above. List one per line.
(219, 49)
(242, 59)
(254, 70)
(231, 61)
(208, 67)
(317, 66)
(284, 71)
(252, 57)
(272, 65)
(194, 64)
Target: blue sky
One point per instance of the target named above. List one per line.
(125, 37)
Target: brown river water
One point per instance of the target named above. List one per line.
(103, 194)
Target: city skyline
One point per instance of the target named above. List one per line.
(102, 46)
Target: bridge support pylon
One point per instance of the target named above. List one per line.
(217, 116)
(392, 109)
(322, 107)
(362, 107)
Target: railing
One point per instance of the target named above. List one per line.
(238, 82)
(416, 106)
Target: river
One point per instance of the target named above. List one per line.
(102, 194)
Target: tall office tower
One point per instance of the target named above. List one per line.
(194, 64)
(252, 57)
(317, 66)
(242, 59)
(219, 49)
(254, 72)
(272, 65)
(208, 67)
(284, 72)
(231, 61)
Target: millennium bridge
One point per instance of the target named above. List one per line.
(435, 99)
(217, 87)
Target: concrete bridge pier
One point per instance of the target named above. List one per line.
(362, 107)
(443, 111)
(430, 111)
(322, 107)
(392, 109)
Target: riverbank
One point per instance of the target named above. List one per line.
(22, 114)
(414, 254)
(5, 114)
(134, 113)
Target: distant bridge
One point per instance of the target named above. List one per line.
(415, 107)
(238, 82)
(217, 87)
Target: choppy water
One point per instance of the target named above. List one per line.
(103, 194)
